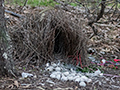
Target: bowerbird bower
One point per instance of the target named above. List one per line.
(40, 35)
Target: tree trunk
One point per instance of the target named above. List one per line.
(6, 61)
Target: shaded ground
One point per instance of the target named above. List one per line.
(106, 45)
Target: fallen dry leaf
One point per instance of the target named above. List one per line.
(10, 86)
(16, 83)
(40, 88)
(26, 86)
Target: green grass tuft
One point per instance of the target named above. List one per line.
(32, 2)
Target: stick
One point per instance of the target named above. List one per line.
(14, 14)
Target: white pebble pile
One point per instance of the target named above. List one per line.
(68, 73)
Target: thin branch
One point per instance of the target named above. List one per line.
(100, 15)
(24, 5)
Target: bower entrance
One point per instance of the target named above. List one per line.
(65, 41)
(59, 47)
(64, 44)
(58, 41)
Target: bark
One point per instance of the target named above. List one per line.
(6, 61)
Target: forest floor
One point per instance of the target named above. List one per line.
(105, 45)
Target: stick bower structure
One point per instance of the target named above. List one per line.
(41, 35)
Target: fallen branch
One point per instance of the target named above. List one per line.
(107, 25)
(14, 14)
(111, 75)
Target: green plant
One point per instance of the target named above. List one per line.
(24, 68)
(85, 69)
(32, 2)
(73, 4)
(90, 68)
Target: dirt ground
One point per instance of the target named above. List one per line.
(106, 45)
(42, 81)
